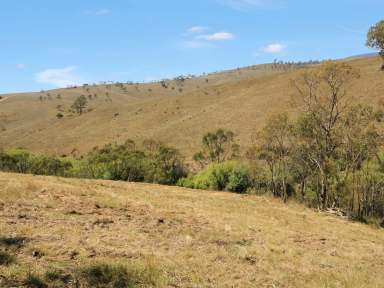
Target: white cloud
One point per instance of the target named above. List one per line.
(58, 77)
(219, 36)
(20, 66)
(197, 29)
(274, 48)
(195, 39)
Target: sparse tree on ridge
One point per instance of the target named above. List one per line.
(80, 104)
(375, 39)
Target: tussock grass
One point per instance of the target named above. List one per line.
(176, 237)
(120, 276)
(6, 258)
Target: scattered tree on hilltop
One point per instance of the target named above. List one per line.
(375, 39)
(80, 104)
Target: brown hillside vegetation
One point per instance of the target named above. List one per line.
(176, 237)
(178, 114)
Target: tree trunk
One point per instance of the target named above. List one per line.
(303, 189)
(323, 193)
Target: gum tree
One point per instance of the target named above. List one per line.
(375, 39)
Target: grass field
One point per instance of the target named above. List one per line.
(178, 115)
(177, 237)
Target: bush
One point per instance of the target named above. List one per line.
(17, 160)
(155, 164)
(165, 166)
(6, 259)
(45, 165)
(108, 276)
(116, 276)
(114, 162)
(127, 168)
(21, 161)
(226, 176)
(34, 281)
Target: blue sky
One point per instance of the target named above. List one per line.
(51, 43)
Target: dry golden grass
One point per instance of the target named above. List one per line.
(239, 100)
(195, 238)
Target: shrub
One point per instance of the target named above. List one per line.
(17, 160)
(165, 165)
(155, 164)
(21, 161)
(107, 276)
(115, 162)
(130, 167)
(59, 278)
(45, 165)
(6, 259)
(227, 176)
(34, 281)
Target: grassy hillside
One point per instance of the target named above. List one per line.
(182, 238)
(179, 115)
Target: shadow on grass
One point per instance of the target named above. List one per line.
(13, 242)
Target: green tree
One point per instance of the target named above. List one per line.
(333, 138)
(166, 166)
(375, 38)
(80, 104)
(218, 147)
(274, 148)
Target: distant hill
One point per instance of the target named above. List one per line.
(360, 56)
(177, 112)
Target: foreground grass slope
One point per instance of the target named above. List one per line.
(179, 115)
(182, 238)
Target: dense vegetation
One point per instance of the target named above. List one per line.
(328, 157)
(154, 163)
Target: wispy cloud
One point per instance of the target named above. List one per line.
(248, 4)
(99, 12)
(197, 37)
(197, 29)
(218, 36)
(58, 77)
(20, 66)
(273, 48)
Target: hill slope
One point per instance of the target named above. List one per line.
(178, 114)
(195, 238)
